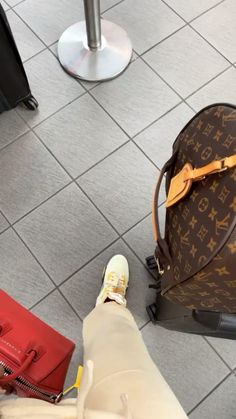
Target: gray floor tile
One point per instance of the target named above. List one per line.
(183, 53)
(11, 127)
(30, 175)
(136, 98)
(106, 4)
(141, 238)
(220, 404)
(146, 21)
(186, 361)
(49, 18)
(5, 6)
(20, 271)
(27, 43)
(221, 89)
(55, 16)
(157, 140)
(121, 186)
(56, 312)
(226, 348)
(218, 27)
(69, 233)
(134, 56)
(83, 288)
(80, 135)
(52, 87)
(13, 3)
(189, 10)
(53, 48)
(3, 223)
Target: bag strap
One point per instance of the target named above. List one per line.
(155, 202)
(24, 366)
(216, 166)
(179, 187)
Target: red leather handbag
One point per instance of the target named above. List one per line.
(34, 356)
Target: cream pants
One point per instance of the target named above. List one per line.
(121, 365)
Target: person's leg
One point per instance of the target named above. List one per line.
(122, 365)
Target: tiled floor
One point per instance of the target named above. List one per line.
(76, 177)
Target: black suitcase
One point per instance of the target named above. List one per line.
(14, 86)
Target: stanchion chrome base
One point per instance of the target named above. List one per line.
(104, 63)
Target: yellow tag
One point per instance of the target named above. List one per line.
(77, 381)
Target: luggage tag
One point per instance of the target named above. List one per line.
(77, 381)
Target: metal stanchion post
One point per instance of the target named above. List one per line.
(94, 49)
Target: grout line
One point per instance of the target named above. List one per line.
(208, 82)
(16, 139)
(142, 327)
(149, 158)
(113, 119)
(39, 205)
(196, 17)
(56, 287)
(210, 393)
(210, 44)
(54, 113)
(101, 160)
(164, 39)
(112, 7)
(42, 299)
(32, 254)
(89, 261)
(140, 260)
(8, 226)
(5, 229)
(206, 11)
(35, 55)
(217, 353)
(166, 82)
(156, 120)
(28, 26)
(184, 99)
(135, 225)
(69, 303)
(97, 208)
(192, 20)
(12, 7)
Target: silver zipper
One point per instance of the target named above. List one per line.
(25, 385)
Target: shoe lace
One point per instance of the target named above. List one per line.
(117, 279)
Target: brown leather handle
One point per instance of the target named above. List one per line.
(20, 370)
(155, 202)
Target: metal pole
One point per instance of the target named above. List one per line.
(94, 49)
(93, 23)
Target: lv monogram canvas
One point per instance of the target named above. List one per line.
(197, 257)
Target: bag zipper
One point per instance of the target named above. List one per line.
(25, 385)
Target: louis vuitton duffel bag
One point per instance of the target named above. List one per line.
(196, 258)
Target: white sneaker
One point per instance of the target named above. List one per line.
(116, 278)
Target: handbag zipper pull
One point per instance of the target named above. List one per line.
(77, 381)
